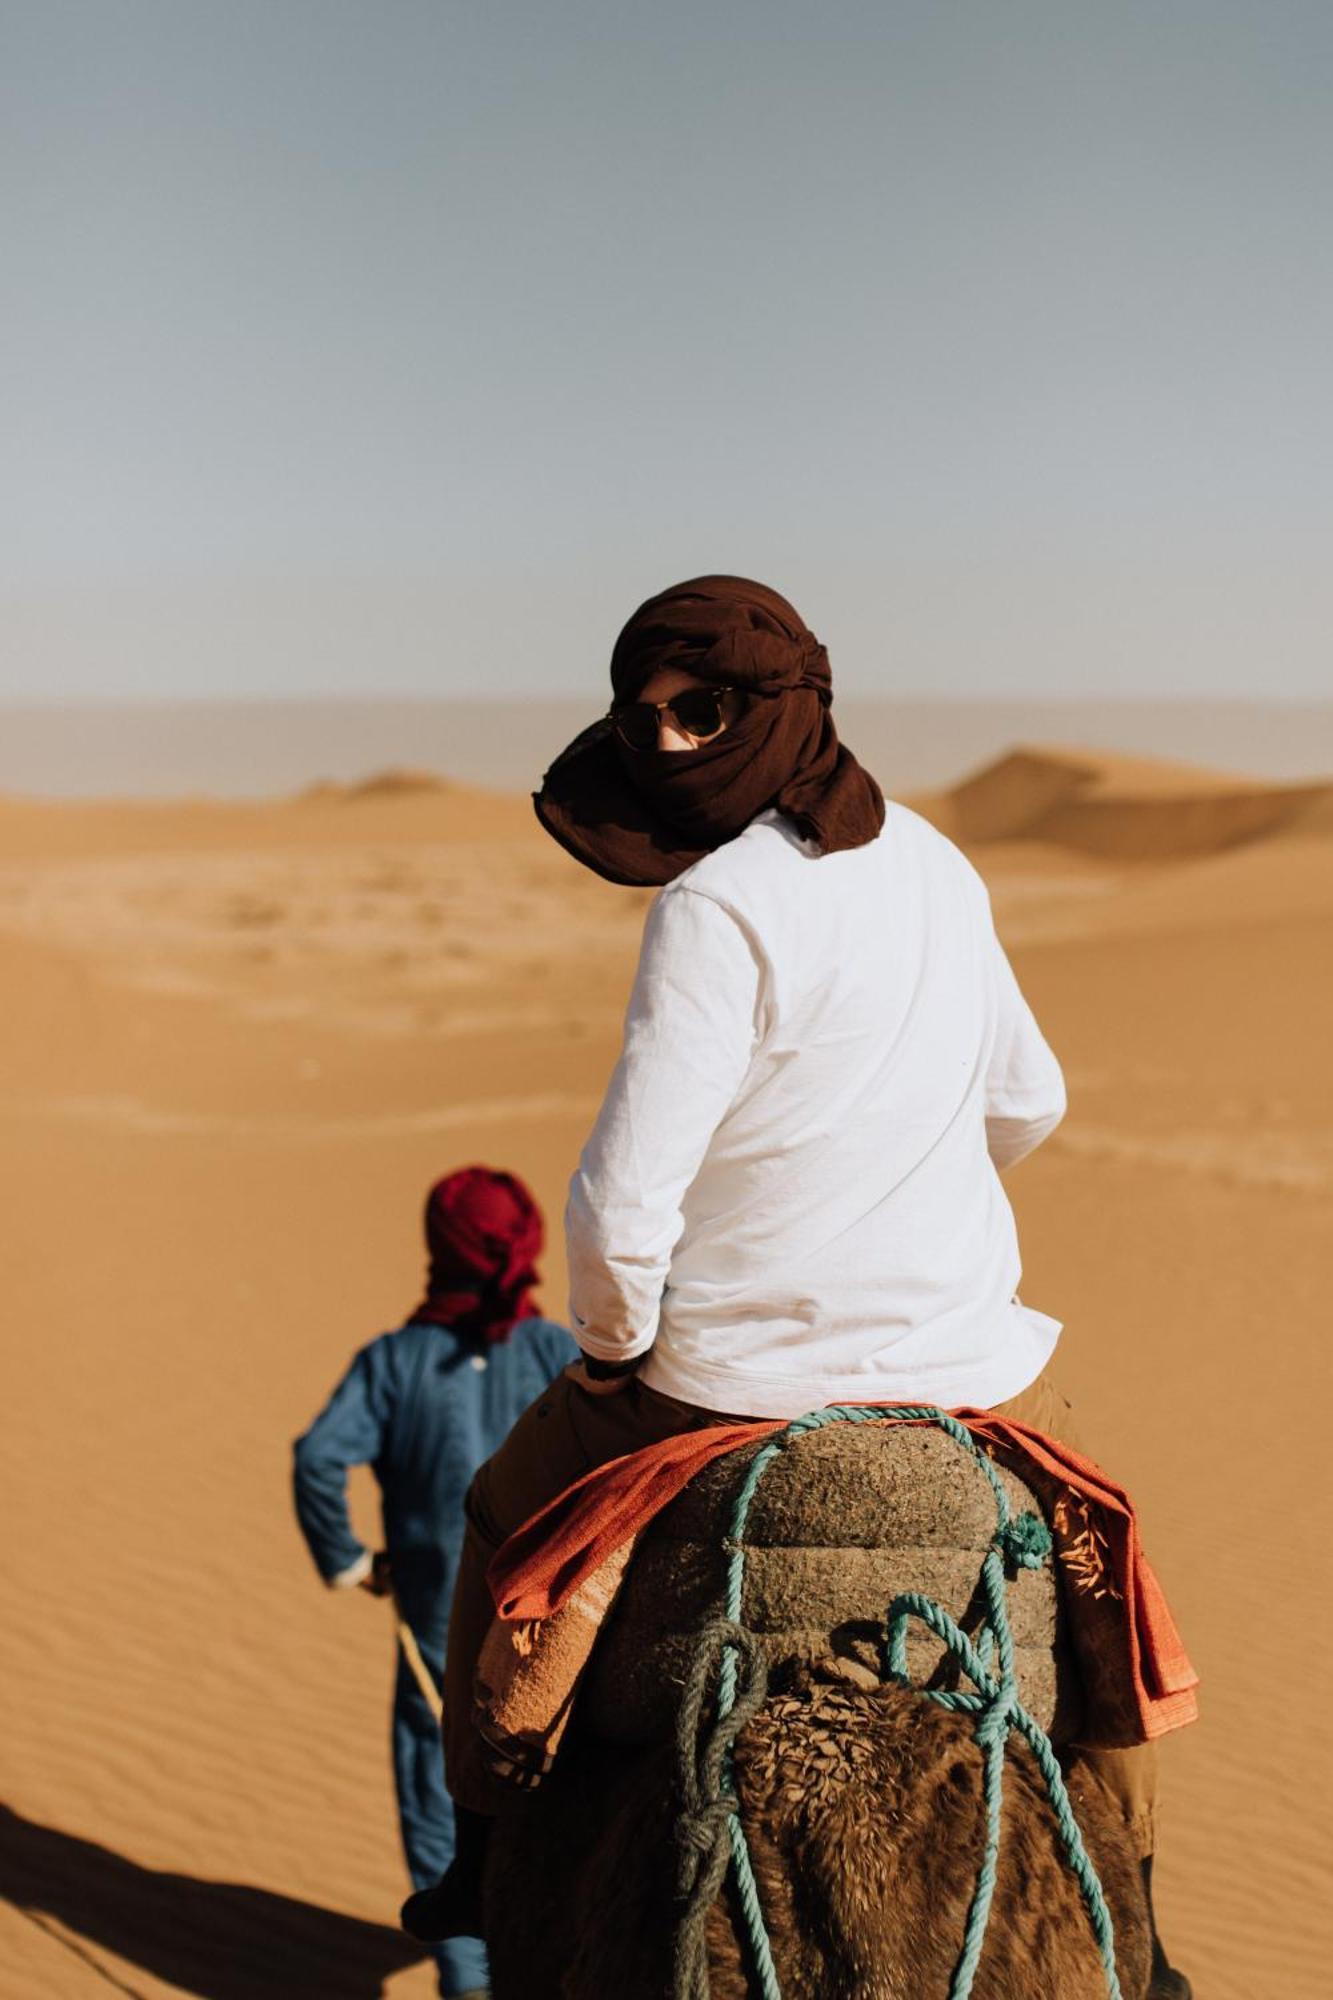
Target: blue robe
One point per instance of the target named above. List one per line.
(424, 1410)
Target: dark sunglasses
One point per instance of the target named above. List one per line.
(696, 712)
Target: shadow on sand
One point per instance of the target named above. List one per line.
(220, 1940)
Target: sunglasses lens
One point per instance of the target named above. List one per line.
(636, 725)
(696, 711)
(699, 712)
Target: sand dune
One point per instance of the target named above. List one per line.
(240, 1039)
(1124, 809)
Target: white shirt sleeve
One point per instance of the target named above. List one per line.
(690, 1032)
(1025, 1091)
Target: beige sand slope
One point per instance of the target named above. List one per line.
(239, 1041)
(1121, 808)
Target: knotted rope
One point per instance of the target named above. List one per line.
(710, 1833)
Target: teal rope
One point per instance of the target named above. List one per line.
(708, 1806)
(1024, 1542)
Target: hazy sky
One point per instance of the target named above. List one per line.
(406, 345)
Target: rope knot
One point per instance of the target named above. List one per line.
(997, 1718)
(1024, 1542)
(698, 1831)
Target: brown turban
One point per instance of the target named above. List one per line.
(643, 816)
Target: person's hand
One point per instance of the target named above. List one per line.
(610, 1385)
(379, 1578)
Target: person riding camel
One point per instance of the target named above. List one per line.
(791, 1195)
(424, 1406)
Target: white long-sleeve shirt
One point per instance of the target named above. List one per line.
(791, 1194)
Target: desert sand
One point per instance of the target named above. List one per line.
(239, 1041)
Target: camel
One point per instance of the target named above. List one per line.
(860, 1799)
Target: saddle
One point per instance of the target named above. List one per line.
(843, 1520)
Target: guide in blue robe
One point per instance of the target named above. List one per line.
(424, 1407)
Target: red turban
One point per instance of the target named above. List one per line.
(484, 1233)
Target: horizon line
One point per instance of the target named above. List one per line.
(943, 699)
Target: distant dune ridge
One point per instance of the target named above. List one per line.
(241, 1036)
(1125, 809)
(390, 783)
(1116, 807)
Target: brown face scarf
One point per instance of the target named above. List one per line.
(643, 816)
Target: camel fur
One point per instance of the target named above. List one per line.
(863, 1811)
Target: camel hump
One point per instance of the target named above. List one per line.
(852, 1486)
(844, 1518)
